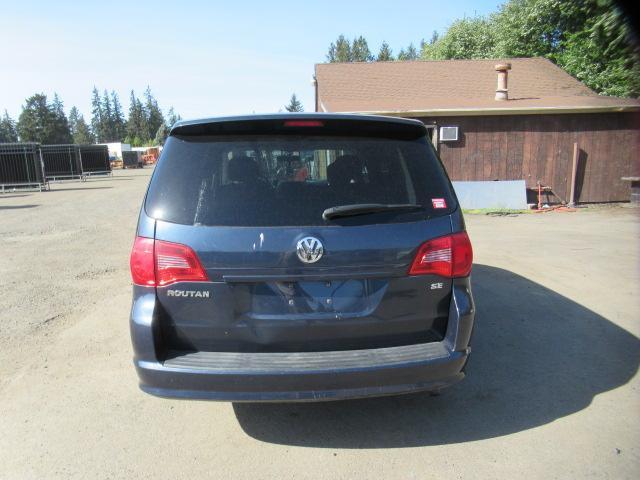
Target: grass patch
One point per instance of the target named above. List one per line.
(494, 211)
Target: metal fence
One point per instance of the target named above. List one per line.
(132, 159)
(61, 162)
(21, 166)
(95, 160)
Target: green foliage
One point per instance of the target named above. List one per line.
(172, 117)
(465, 38)
(339, 51)
(61, 131)
(360, 50)
(137, 124)
(43, 122)
(117, 121)
(161, 135)
(345, 51)
(294, 105)
(47, 123)
(107, 112)
(410, 54)
(98, 121)
(154, 117)
(583, 58)
(590, 39)
(385, 54)
(83, 133)
(8, 131)
(80, 131)
(107, 121)
(113, 124)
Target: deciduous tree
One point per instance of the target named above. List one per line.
(590, 39)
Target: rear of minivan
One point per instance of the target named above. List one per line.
(300, 257)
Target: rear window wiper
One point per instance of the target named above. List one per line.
(366, 208)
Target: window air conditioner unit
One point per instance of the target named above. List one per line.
(448, 134)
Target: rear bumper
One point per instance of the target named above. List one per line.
(304, 376)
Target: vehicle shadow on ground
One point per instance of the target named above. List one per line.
(11, 195)
(111, 179)
(72, 189)
(16, 207)
(537, 356)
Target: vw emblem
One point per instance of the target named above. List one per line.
(309, 250)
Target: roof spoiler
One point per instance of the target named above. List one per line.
(304, 124)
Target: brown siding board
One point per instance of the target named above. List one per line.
(540, 147)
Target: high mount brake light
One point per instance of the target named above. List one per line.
(450, 256)
(159, 263)
(303, 123)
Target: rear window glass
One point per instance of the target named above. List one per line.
(290, 180)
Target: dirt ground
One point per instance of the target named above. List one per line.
(551, 392)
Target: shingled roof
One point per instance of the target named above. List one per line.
(456, 87)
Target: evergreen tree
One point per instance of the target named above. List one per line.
(154, 115)
(340, 51)
(37, 120)
(119, 123)
(172, 117)
(294, 105)
(8, 132)
(80, 131)
(360, 50)
(74, 116)
(161, 135)
(385, 54)
(83, 133)
(410, 54)
(137, 125)
(97, 117)
(108, 122)
(61, 133)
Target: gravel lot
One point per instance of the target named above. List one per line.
(551, 391)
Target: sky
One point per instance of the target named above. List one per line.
(204, 58)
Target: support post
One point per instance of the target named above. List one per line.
(574, 173)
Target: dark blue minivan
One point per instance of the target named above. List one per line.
(298, 257)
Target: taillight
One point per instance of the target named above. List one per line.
(177, 263)
(450, 256)
(141, 262)
(159, 263)
(303, 123)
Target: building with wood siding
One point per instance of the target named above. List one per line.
(530, 135)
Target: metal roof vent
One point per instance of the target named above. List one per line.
(502, 91)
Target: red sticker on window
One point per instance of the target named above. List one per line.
(438, 203)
